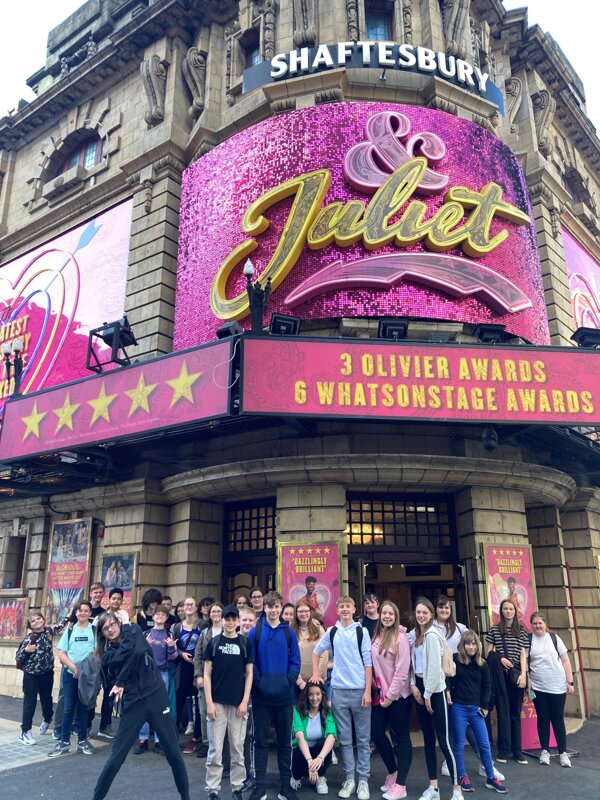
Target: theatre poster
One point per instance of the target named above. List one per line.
(297, 563)
(69, 564)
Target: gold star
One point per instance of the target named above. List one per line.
(32, 422)
(328, 550)
(292, 551)
(309, 551)
(182, 386)
(520, 552)
(139, 396)
(100, 405)
(494, 552)
(301, 551)
(318, 551)
(65, 413)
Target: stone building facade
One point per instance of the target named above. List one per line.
(154, 87)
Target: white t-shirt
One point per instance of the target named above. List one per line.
(451, 641)
(546, 670)
(314, 730)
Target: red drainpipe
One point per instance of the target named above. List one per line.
(581, 669)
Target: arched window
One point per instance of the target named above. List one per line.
(85, 154)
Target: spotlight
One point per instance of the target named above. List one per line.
(258, 298)
(284, 325)
(117, 335)
(586, 337)
(16, 365)
(489, 437)
(390, 328)
(489, 333)
(229, 329)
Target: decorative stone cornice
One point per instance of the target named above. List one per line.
(376, 473)
(194, 72)
(544, 107)
(513, 88)
(305, 23)
(154, 77)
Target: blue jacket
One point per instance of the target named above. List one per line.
(276, 666)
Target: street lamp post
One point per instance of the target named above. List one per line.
(258, 298)
(15, 365)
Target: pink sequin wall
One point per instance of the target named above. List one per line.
(219, 187)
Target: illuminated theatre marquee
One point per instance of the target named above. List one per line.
(360, 210)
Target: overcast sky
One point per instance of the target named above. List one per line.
(23, 42)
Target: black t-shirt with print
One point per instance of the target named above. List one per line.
(229, 657)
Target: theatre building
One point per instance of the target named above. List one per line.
(289, 289)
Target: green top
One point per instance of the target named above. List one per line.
(299, 724)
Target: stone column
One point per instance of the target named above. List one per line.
(581, 536)
(195, 554)
(315, 513)
(486, 516)
(546, 538)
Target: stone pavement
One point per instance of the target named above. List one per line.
(26, 772)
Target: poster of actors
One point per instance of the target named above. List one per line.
(68, 573)
(510, 576)
(13, 616)
(310, 571)
(118, 572)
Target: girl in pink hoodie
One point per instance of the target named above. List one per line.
(390, 652)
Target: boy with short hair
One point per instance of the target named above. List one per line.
(247, 622)
(350, 645)
(276, 669)
(227, 684)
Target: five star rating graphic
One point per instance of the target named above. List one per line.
(182, 390)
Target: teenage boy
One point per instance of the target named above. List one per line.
(171, 618)
(247, 622)
(276, 669)
(350, 646)
(74, 646)
(227, 684)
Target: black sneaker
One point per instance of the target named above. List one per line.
(258, 793)
(86, 748)
(141, 746)
(202, 750)
(247, 785)
(236, 794)
(158, 748)
(287, 793)
(59, 749)
(106, 733)
(213, 796)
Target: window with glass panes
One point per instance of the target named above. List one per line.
(412, 523)
(87, 155)
(378, 26)
(250, 526)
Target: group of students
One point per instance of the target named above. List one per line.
(354, 683)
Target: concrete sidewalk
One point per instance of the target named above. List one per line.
(30, 774)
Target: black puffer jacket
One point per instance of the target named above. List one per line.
(42, 660)
(129, 663)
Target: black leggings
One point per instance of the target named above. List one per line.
(398, 714)
(156, 710)
(300, 764)
(185, 689)
(550, 710)
(436, 725)
(32, 686)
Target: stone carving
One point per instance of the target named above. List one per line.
(148, 184)
(514, 89)
(544, 106)
(194, 72)
(281, 106)
(87, 50)
(352, 16)
(329, 96)
(455, 15)
(269, 14)
(154, 78)
(443, 105)
(230, 33)
(407, 32)
(305, 18)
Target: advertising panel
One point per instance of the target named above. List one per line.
(168, 391)
(51, 297)
(68, 567)
(359, 210)
(584, 283)
(375, 379)
(310, 570)
(13, 618)
(118, 572)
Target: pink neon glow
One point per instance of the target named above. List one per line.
(384, 131)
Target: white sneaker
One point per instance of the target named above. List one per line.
(564, 759)
(430, 793)
(322, 787)
(44, 728)
(26, 737)
(362, 792)
(545, 758)
(457, 796)
(497, 774)
(445, 771)
(296, 785)
(347, 790)
(190, 729)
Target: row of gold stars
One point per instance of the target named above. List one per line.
(181, 386)
(507, 552)
(309, 550)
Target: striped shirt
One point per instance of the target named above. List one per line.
(514, 645)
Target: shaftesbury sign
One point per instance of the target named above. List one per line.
(444, 382)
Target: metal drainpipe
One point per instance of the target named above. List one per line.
(581, 669)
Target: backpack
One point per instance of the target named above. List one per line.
(258, 630)
(89, 680)
(359, 638)
(554, 642)
(448, 665)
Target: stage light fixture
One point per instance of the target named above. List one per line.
(229, 329)
(586, 337)
(392, 328)
(284, 325)
(117, 335)
(489, 333)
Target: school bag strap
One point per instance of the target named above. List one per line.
(258, 632)
(359, 639)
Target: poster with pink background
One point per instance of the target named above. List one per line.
(584, 283)
(298, 562)
(52, 296)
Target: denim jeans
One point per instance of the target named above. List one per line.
(461, 716)
(73, 706)
(145, 729)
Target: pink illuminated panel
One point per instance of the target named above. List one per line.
(584, 283)
(352, 149)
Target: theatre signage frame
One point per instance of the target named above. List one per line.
(376, 379)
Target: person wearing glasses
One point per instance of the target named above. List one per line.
(128, 659)
(257, 602)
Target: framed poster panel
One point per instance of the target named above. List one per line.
(509, 571)
(68, 566)
(311, 570)
(13, 618)
(119, 572)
